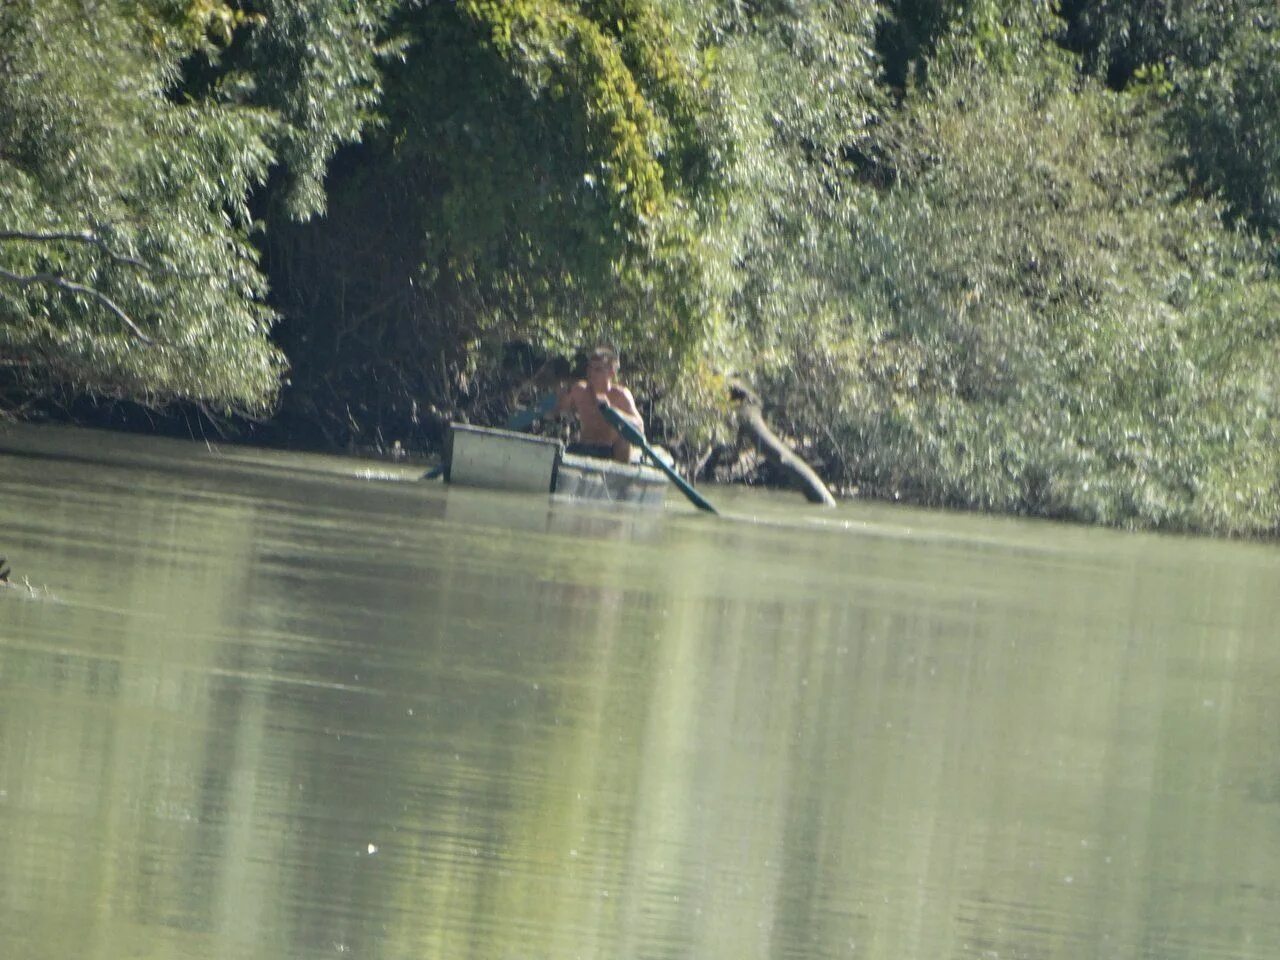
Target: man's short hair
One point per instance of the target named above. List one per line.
(606, 353)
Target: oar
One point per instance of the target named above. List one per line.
(636, 438)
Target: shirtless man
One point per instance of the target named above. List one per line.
(597, 438)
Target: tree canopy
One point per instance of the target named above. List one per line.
(134, 135)
(972, 252)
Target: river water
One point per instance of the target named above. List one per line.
(265, 705)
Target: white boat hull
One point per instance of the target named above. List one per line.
(504, 460)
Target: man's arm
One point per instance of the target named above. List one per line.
(625, 404)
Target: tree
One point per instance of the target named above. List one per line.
(132, 135)
(795, 95)
(1041, 321)
(125, 267)
(539, 174)
(1216, 67)
(1226, 115)
(314, 66)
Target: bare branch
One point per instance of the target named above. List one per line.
(62, 283)
(92, 239)
(72, 236)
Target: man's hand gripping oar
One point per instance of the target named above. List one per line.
(636, 439)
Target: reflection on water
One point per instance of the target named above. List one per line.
(285, 711)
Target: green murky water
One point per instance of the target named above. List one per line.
(270, 706)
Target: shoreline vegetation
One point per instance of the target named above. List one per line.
(983, 254)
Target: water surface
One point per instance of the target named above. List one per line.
(275, 706)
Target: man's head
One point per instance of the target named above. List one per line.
(602, 365)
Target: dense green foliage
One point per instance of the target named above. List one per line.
(534, 176)
(1043, 324)
(125, 266)
(1218, 66)
(997, 254)
(133, 134)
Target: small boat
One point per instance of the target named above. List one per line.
(505, 460)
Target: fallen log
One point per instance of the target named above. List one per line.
(751, 419)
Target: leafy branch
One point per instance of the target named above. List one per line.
(78, 236)
(60, 282)
(89, 238)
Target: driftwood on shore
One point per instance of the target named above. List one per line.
(751, 419)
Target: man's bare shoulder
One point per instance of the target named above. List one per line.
(618, 392)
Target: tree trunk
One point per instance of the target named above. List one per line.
(751, 418)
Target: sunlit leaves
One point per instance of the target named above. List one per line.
(315, 65)
(552, 45)
(958, 266)
(129, 269)
(1049, 325)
